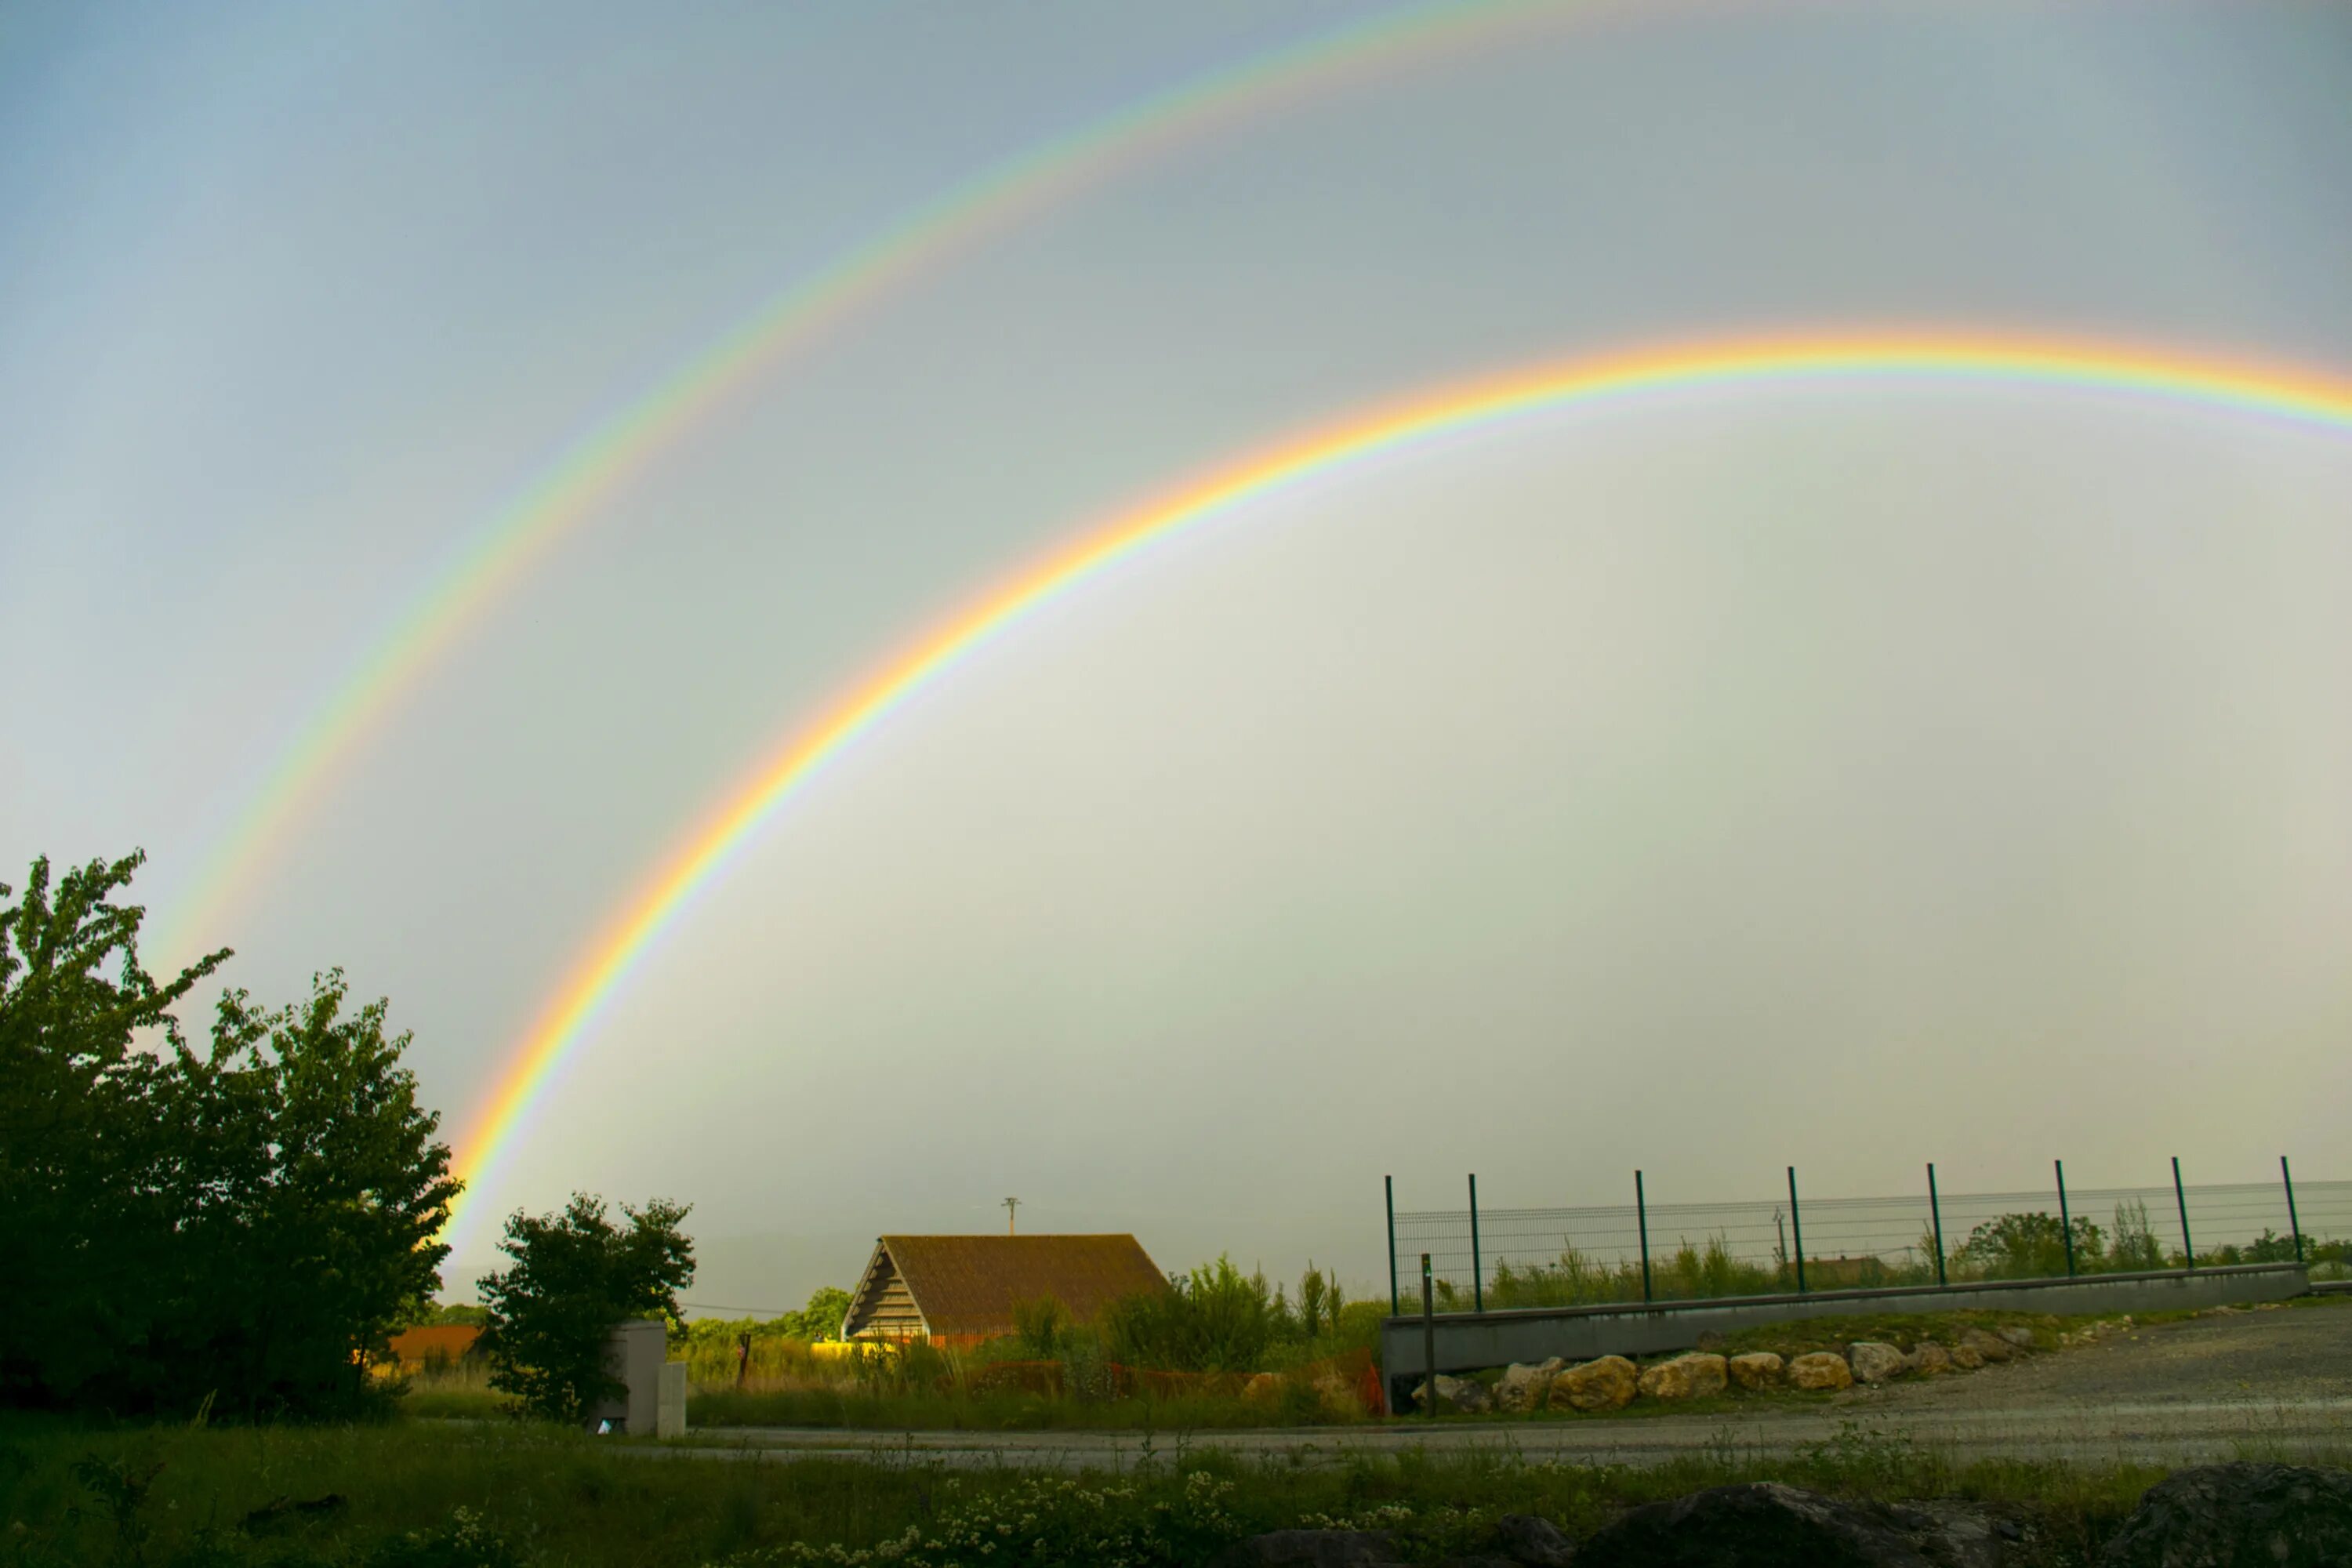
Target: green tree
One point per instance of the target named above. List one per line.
(575, 1276)
(821, 1319)
(245, 1225)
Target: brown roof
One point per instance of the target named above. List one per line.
(968, 1283)
(415, 1347)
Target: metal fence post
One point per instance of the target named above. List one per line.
(2065, 1224)
(1478, 1268)
(1935, 1212)
(1797, 1230)
(1390, 1183)
(2294, 1224)
(1641, 1220)
(2180, 1197)
(1428, 1341)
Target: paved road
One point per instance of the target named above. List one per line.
(2275, 1383)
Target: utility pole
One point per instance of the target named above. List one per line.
(1012, 1207)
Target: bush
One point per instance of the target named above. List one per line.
(2031, 1245)
(1040, 1328)
(1215, 1318)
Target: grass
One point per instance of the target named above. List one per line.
(414, 1494)
(1005, 1410)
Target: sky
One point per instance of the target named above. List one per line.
(1851, 776)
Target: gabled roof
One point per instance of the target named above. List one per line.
(969, 1284)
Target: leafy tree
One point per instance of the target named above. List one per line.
(575, 1275)
(147, 1189)
(821, 1319)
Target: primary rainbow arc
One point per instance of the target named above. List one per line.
(2300, 396)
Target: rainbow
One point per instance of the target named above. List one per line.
(617, 447)
(2301, 397)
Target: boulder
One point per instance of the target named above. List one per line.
(1607, 1383)
(1873, 1361)
(1756, 1370)
(1692, 1376)
(1456, 1393)
(2022, 1337)
(1766, 1525)
(2237, 1516)
(1992, 1347)
(1930, 1358)
(1966, 1356)
(1311, 1549)
(1524, 1385)
(1820, 1369)
(1523, 1539)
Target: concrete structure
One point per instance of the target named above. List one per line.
(636, 1354)
(1467, 1341)
(669, 1419)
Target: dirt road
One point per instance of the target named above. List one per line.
(2267, 1383)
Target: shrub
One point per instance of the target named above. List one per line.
(1039, 1327)
(2030, 1246)
(1215, 1318)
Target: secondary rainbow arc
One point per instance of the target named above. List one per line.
(2298, 396)
(617, 448)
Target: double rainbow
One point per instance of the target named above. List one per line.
(2299, 397)
(614, 449)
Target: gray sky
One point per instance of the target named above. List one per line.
(1846, 777)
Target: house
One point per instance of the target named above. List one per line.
(961, 1289)
(441, 1344)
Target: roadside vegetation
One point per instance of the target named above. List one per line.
(406, 1495)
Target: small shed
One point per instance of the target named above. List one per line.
(961, 1289)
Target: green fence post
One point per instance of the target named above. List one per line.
(2180, 1197)
(1390, 1183)
(2293, 1223)
(1428, 1341)
(1797, 1230)
(2065, 1224)
(1642, 1221)
(1935, 1212)
(1477, 1269)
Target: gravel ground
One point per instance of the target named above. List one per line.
(2259, 1356)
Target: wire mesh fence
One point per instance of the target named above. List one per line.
(1497, 1258)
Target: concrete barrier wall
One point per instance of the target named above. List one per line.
(1466, 1341)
